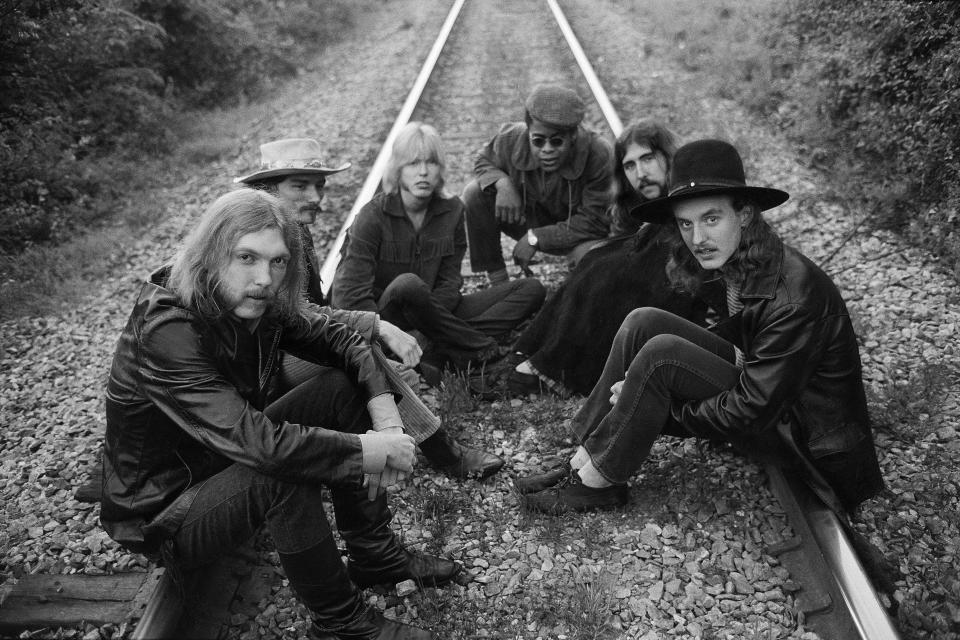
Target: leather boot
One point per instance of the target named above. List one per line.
(321, 582)
(448, 455)
(376, 556)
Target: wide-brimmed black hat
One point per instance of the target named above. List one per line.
(705, 168)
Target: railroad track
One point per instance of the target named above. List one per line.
(841, 601)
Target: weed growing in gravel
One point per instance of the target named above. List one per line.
(454, 397)
(591, 602)
(900, 406)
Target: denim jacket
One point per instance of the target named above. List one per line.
(382, 244)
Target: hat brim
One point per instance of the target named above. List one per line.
(289, 171)
(660, 210)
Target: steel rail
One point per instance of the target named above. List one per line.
(369, 188)
(164, 608)
(162, 614)
(613, 120)
(860, 599)
(867, 616)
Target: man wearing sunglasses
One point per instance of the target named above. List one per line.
(545, 182)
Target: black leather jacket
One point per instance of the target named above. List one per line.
(184, 401)
(801, 378)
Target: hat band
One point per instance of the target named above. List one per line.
(314, 163)
(695, 184)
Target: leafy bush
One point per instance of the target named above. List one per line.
(876, 86)
(92, 87)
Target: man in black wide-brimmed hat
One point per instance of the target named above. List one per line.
(779, 375)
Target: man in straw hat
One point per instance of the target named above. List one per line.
(545, 182)
(778, 376)
(294, 170)
(197, 456)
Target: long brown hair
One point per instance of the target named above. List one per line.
(647, 132)
(757, 247)
(196, 272)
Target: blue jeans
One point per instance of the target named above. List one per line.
(660, 357)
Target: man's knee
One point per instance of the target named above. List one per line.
(406, 288)
(532, 292)
(578, 252)
(330, 399)
(473, 196)
(663, 345)
(643, 318)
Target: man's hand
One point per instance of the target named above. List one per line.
(615, 390)
(508, 207)
(375, 483)
(388, 457)
(523, 253)
(401, 343)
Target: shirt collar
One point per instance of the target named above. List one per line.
(393, 205)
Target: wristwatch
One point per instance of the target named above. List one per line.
(531, 239)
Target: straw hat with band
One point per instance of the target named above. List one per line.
(289, 157)
(706, 168)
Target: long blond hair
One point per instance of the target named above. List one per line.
(196, 273)
(415, 140)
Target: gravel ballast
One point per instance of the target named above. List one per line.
(688, 556)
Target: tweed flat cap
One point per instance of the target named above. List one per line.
(556, 106)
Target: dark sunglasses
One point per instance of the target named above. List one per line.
(540, 141)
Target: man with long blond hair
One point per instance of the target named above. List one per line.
(403, 255)
(196, 459)
(294, 170)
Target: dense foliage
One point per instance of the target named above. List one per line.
(873, 91)
(89, 87)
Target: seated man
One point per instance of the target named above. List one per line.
(778, 377)
(545, 182)
(567, 343)
(402, 257)
(293, 170)
(196, 460)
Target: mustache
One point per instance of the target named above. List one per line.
(260, 294)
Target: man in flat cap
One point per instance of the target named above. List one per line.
(544, 182)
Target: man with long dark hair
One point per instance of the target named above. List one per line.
(196, 459)
(779, 376)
